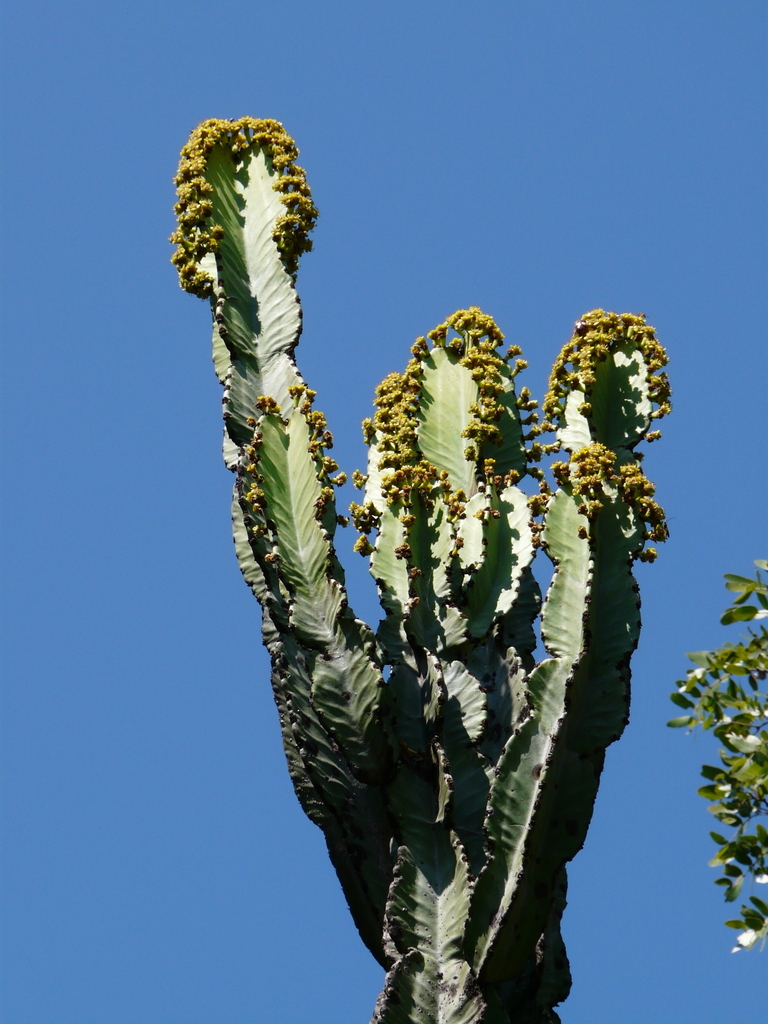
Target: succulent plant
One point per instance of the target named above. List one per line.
(452, 774)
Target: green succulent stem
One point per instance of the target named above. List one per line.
(452, 773)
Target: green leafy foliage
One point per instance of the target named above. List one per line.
(726, 693)
(453, 776)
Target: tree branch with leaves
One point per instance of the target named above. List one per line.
(726, 692)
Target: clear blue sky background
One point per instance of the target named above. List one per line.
(535, 158)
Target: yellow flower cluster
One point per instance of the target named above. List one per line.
(474, 337)
(395, 423)
(595, 336)
(477, 341)
(472, 325)
(365, 517)
(196, 236)
(637, 490)
(591, 468)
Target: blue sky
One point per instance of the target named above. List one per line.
(535, 159)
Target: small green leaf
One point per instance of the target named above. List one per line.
(700, 658)
(734, 582)
(725, 816)
(680, 723)
(709, 792)
(743, 613)
(733, 893)
(752, 918)
(681, 701)
(743, 857)
(744, 744)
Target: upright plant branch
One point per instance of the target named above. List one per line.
(452, 775)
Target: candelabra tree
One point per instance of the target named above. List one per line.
(452, 774)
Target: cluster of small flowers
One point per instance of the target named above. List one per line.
(587, 474)
(474, 337)
(595, 336)
(196, 236)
